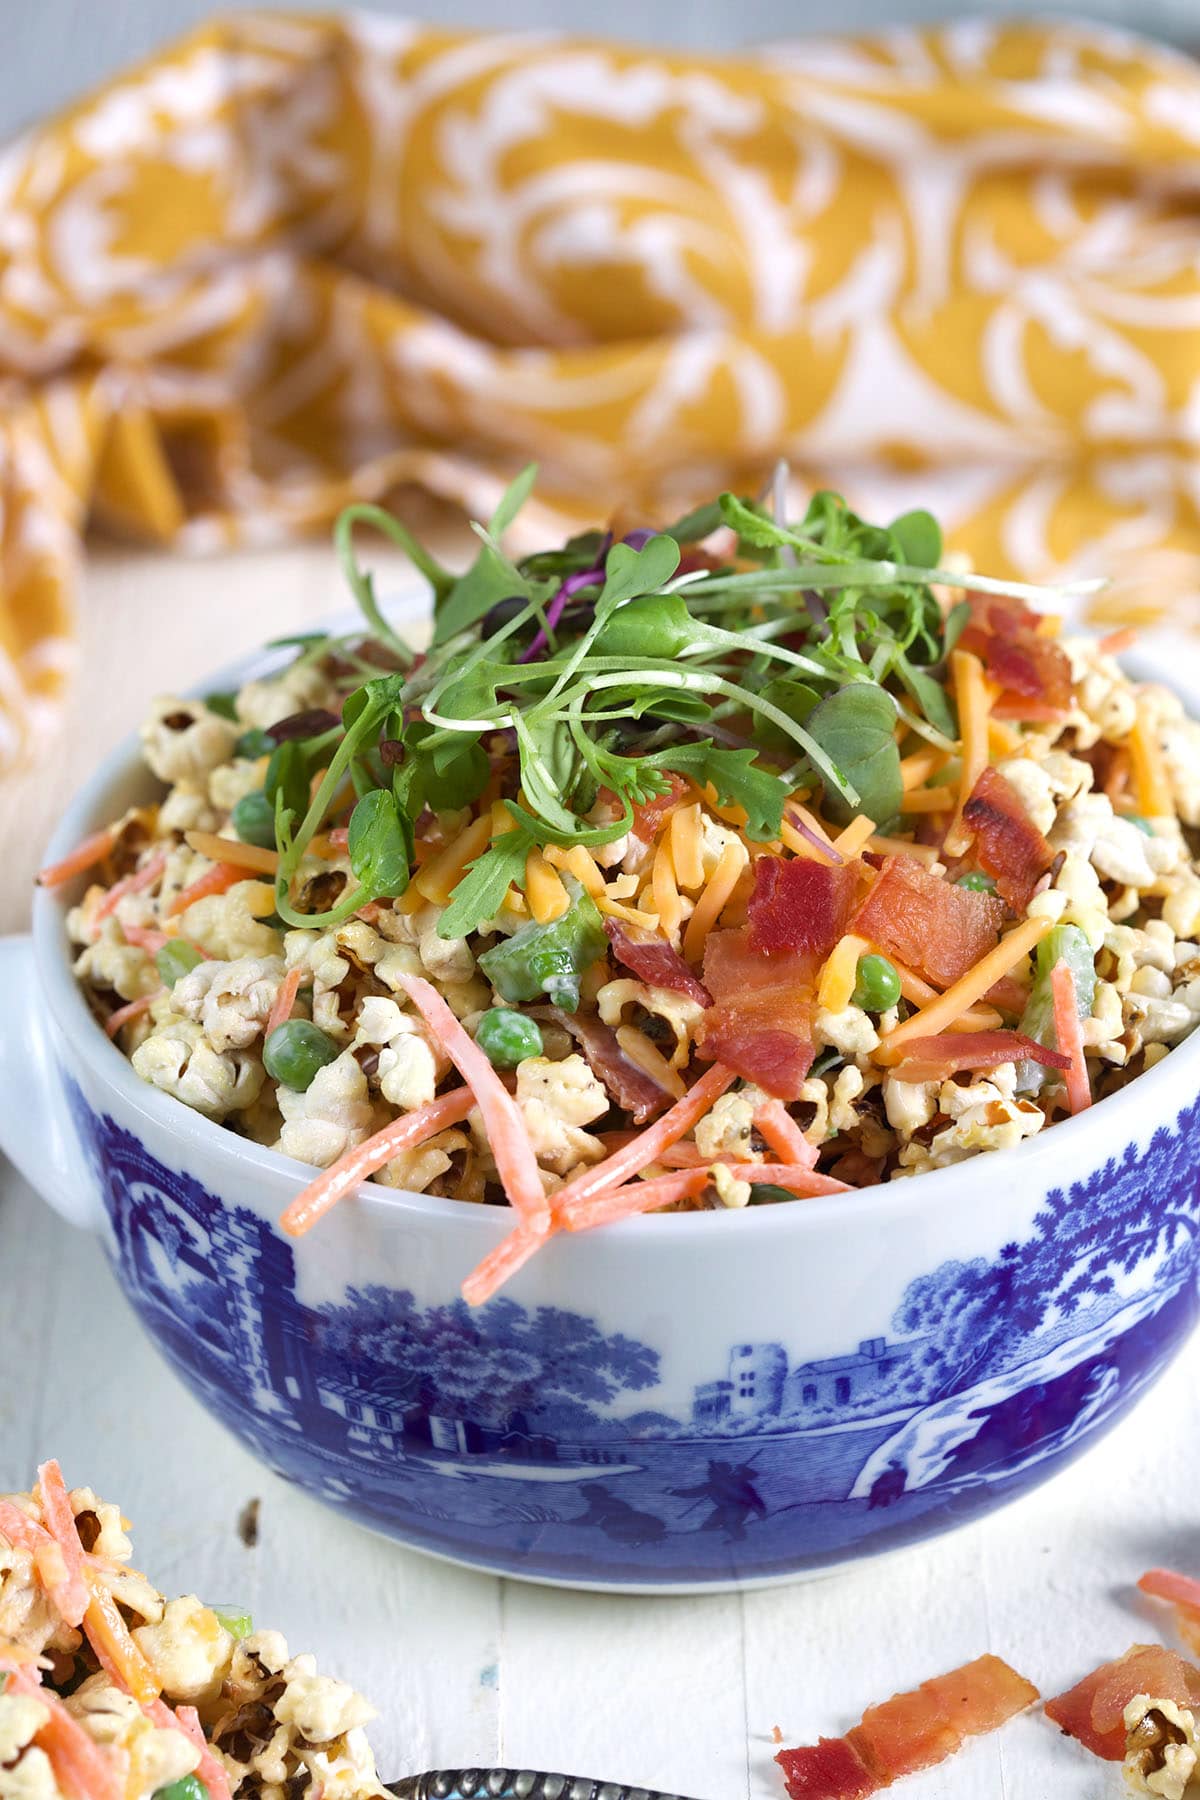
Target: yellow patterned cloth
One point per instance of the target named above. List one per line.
(296, 259)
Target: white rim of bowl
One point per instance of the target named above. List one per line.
(87, 812)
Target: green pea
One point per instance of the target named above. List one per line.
(295, 1051)
(878, 985)
(507, 1038)
(977, 881)
(188, 1787)
(224, 705)
(1142, 824)
(175, 959)
(254, 743)
(253, 819)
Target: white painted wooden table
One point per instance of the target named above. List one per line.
(683, 1693)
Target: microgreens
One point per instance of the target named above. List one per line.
(591, 672)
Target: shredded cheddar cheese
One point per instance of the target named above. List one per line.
(713, 900)
(928, 800)
(548, 898)
(232, 850)
(849, 842)
(941, 1013)
(840, 973)
(687, 846)
(650, 1060)
(971, 697)
(579, 862)
(667, 903)
(1150, 782)
(631, 914)
(441, 875)
(916, 769)
(890, 846)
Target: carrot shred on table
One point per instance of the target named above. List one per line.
(116, 1650)
(129, 884)
(1069, 1033)
(334, 1183)
(70, 1595)
(644, 1149)
(285, 999)
(217, 880)
(1169, 1584)
(507, 1137)
(777, 1126)
(85, 856)
(231, 850)
(133, 1009)
(1115, 643)
(81, 1768)
(210, 1770)
(500, 1264)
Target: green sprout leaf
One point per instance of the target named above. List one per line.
(480, 893)
(380, 845)
(855, 726)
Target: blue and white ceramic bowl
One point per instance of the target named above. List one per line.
(676, 1403)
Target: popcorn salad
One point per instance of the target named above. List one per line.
(719, 866)
(109, 1691)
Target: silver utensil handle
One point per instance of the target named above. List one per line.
(516, 1784)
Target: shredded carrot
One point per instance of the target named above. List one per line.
(1168, 1584)
(1069, 1034)
(116, 1651)
(687, 846)
(217, 880)
(142, 937)
(840, 972)
(130, 884)
(20, 1530)
(441, 875)
(891, 846)
(928, 800)
(132, 1010)
(85, 856)
(1115, 643)
(941, 1013)
(81, 1768)
(210, 1769)
(548, 898)
(971, 698)
(619, 1203)
(515, 1162)
(70, 1597)
(713, 900)
(666, 895)
(502, 1263)
(849, 843)
(321, 1195)
(1149, 773)
(232, 850)
(285, 1000)
(632, 1158)
(777, 1126)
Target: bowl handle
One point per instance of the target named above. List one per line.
(35, 1128)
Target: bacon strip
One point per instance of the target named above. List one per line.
(627, 1085)
(1004, 634)
(1008, 845)
(927, 922)
(799, 904)
(938, 1057)
(760, 1024)
(655, 962)
(1093, 1710)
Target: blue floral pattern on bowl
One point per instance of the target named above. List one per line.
(532, 1441)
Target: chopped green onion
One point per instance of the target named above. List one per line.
(176, 958)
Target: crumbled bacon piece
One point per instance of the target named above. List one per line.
(936, 1058)
(1008, 845)
(1004, 635)
(928, 923)
(648, 815)
(1094, 1709)
(908, 1732)
(760, 1024)
(654, 961)
(625, 1082)
(799, 904)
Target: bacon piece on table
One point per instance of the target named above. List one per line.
(1093, 1711)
